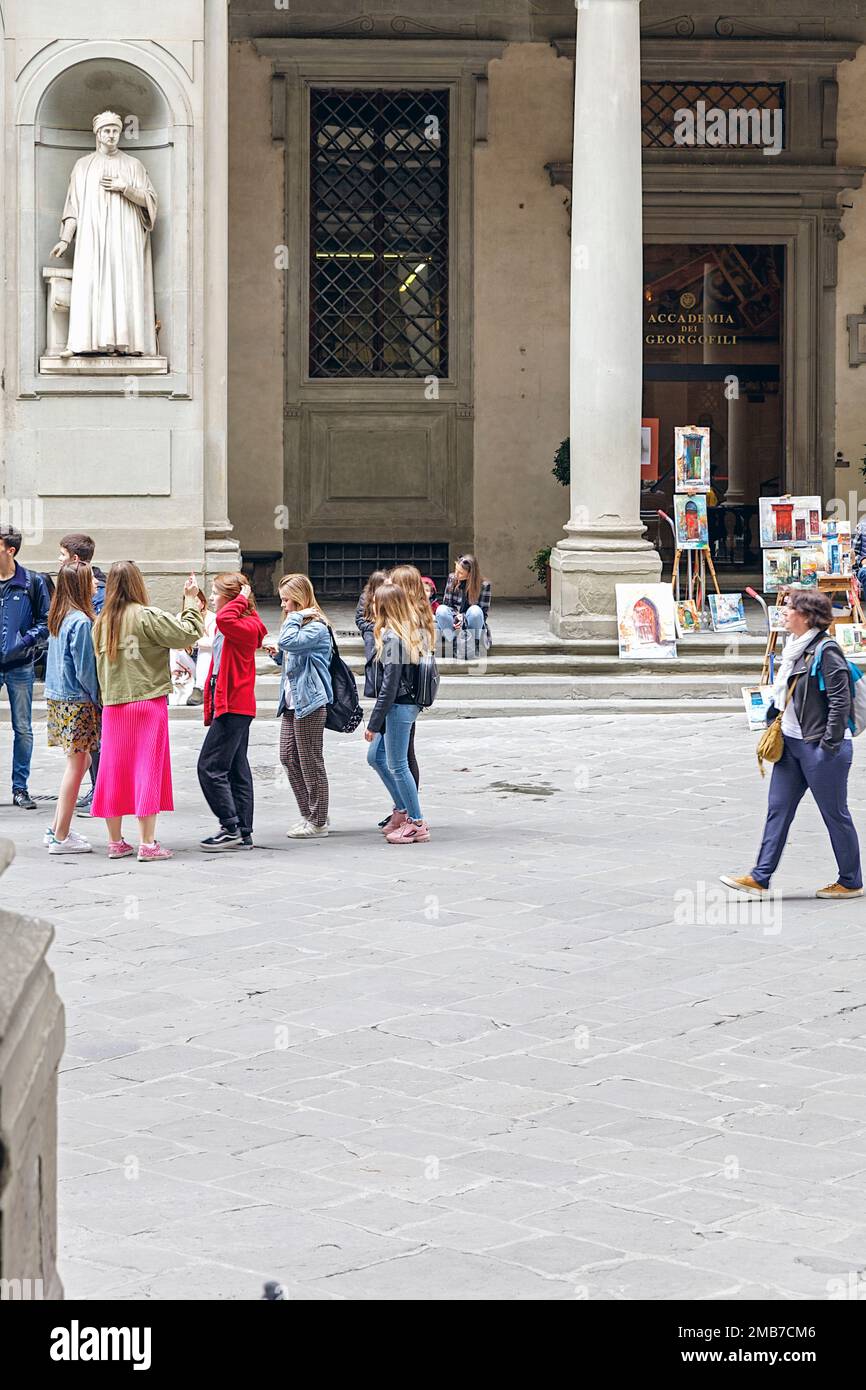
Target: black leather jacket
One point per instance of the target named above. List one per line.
(823, 714)
(395, 682)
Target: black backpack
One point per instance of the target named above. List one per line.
(426, 681)
(344, 713)
(40, 651)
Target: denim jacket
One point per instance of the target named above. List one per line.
(306, 650)
(70, 672)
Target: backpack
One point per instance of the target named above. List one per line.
(857, 720)
(344, 713)
(40, 651)
(426, 681)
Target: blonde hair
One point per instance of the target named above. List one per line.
(301, 591)
(229, 584)
(396, 613)
(408, 578)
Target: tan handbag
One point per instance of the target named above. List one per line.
(771, 744)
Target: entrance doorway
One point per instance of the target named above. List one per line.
(713, 357)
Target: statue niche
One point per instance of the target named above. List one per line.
(107, 298)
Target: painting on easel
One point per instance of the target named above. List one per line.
(646, 622)
(837, 546)
(692, 456)
(851, 638)
(790, 520)
(791, 565)
(690, 519)
(776, 618)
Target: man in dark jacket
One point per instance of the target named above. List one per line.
(24, 604)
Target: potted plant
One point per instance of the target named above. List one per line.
(540, 566)
(561, 469)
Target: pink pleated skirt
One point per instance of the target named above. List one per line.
(134, 777)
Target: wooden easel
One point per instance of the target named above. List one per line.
(827, 584)
(697, 574)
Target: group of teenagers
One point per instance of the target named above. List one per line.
(113, 660)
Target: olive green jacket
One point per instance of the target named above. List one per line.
(141, 671)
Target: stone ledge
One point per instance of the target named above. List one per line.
(110, 365)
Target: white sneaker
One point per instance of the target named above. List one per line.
(311, 832)
(297, 830)
(73, 844)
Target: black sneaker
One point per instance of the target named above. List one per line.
(225, 839)
(246, 842)
(22, 799)
(84, 803)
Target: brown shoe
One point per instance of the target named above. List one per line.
(744, 884)
(835, 890)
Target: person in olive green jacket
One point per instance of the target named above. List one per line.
(132, 642)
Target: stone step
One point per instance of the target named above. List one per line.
(573, 686)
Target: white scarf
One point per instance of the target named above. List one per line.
(794, 648)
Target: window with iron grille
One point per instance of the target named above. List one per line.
(660, 101)
(341, 570)
(378, 233)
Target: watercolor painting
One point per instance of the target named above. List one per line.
(688, 618)
(727, 613)
(757, 700)
(692, 457)
(646, 621)
(851, 638)
(792, 566)
(790, 520)
(690, 519)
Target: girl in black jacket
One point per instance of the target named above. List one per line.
(818, 748)
(399, 646)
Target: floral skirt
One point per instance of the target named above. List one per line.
(73, 725)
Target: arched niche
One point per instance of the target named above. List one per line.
(55, 118)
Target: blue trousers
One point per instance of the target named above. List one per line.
(805, 766)
(19, 683)
(388, 755)
(473, 618)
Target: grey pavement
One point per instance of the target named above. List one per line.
(544, 1056)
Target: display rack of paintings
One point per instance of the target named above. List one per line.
(646, 622)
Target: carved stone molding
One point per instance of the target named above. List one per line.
(856, 339)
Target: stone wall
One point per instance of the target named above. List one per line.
(256, 304)
(851, 292)
(521, 315)
(31, 1045)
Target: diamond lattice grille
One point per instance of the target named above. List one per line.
(378, 233)
(661, 100)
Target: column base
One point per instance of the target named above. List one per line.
(583, 584)
(221, 553)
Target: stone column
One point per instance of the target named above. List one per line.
(604, 537)
(31, 1045)
(221, 550)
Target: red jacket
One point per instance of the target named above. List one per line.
(236, 680)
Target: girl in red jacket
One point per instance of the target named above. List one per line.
(229, 708)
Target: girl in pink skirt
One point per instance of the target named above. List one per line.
(132, 642)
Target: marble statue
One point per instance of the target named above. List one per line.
(110, 211)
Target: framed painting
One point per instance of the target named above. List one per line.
(692, 458)
(690, 520)
(786, 521)
(649, 450)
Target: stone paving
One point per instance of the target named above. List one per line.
(541, 1057)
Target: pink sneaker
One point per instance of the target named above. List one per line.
(155, 851)
(119, 849)
(411, 832)
(394, 821)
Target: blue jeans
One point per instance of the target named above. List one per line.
(473, 618)
(387, 755)
(805, 766)
(19, 683)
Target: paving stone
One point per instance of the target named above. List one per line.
(359, 1080)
